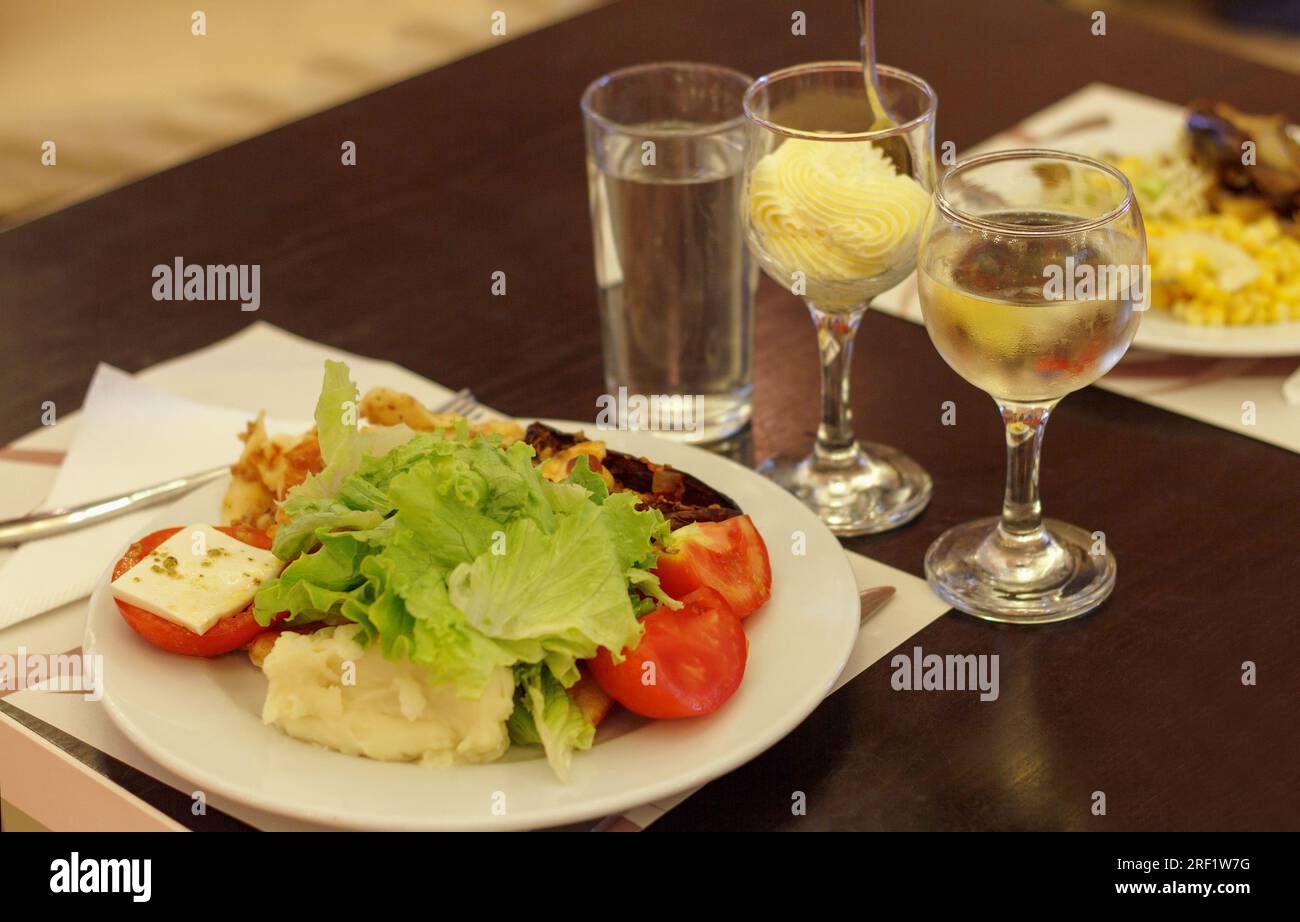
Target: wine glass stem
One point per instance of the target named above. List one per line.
(835, 334)
(1022, 511)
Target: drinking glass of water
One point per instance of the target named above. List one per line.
(665, 157)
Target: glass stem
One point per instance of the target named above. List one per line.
(836, 445)
(1022, 511)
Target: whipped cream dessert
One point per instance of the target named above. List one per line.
(836, 210)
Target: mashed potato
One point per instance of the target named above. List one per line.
(389, 712)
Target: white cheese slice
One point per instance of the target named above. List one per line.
(197, 577)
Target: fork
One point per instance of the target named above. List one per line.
(464, 403)
(70, 518)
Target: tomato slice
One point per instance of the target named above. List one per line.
(688, 663)
(230, 633)
(727, 556)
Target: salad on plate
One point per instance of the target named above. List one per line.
(418, 587)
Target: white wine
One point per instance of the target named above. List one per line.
(998, 323)
(674, 276)
(1032, 278)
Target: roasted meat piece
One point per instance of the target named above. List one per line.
(682, 499)
(1219, 134)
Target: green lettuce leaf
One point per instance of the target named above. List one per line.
(454, 553)
(441, 499)
(565, 498)
(408, 610)
(633, 530)
(310, 518)
(653, 595)
(336, 429)
(378, 471)
(557, 597)
(589, 480)
(546, 716)
(315, 585)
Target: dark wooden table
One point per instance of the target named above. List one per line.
(478, 166)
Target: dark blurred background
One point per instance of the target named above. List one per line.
(125, 89)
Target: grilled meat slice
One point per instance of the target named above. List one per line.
(1219, 134)
(682, 498)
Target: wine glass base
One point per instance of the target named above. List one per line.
(881, 488)
(956, 566)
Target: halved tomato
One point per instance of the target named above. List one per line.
(230, 633)
(688, 663)
(729, 557)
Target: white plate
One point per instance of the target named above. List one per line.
(1144, 126)
(1160, 332)
(201, 718)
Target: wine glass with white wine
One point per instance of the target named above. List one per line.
(1033, 276)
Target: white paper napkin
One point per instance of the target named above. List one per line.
(1291, 389)
(177, 418)
(129, 435)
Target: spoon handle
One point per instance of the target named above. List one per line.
(865, 10)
